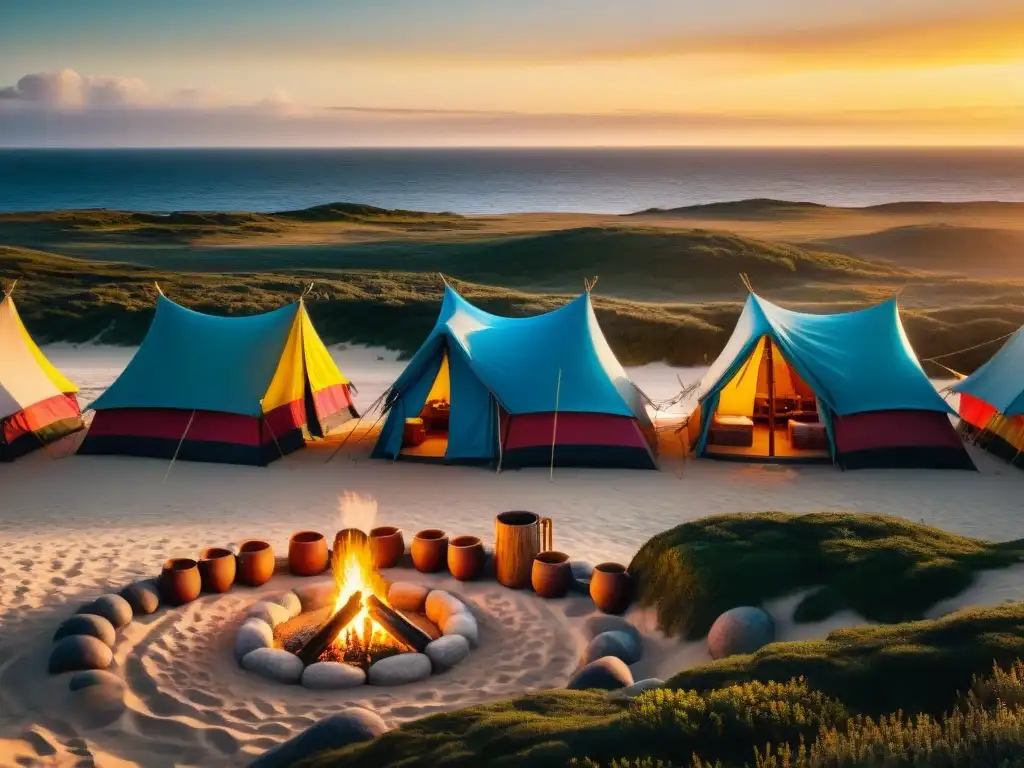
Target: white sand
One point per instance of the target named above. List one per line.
(72, 528)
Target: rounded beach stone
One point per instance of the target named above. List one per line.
(142, 596)
(319, 594)
(462, 624)
(399, 670)
(440, 605)
(607, 673)
(93, 677)
(616, 643)
(445, 652)
(97, 706)
(87, 624)
(274, 664)
(598, 625)
(290, 602)
(252, 635)
(334, 732)
(406, 596)
(740, 630)
(113, 608)
(78, 652)
(330, 675)
(272, 613)
(581, 573)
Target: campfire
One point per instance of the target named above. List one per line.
(362, 627)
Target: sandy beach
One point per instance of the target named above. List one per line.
(72, 528)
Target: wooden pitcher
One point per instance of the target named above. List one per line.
(518, 538)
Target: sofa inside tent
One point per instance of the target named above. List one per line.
(844, 388)
(38, 405)
(514, 392)
(992, 402)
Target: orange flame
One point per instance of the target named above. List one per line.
(352, 564)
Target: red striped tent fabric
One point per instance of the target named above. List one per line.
(237, 390)
(38, 405)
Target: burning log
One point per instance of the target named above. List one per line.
(319, 642)
(397, 625)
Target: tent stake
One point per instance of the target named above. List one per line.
(175, 456)
(554, 426)
(501, 450)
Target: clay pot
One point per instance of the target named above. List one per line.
(387, 546)
(466, 558)
(179, 581)
(217, 568)
(429, 550)
(255, 562)
(551, 576)
(307, 553)
(611, 587)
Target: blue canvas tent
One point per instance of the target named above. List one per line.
(992, 402)
(845, 388)
(492, 389)
(242, 390)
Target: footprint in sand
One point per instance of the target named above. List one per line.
(203, 699)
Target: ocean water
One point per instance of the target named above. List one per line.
(496, 181)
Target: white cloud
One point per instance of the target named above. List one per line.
(66, 89)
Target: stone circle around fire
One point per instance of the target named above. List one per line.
(274, 627)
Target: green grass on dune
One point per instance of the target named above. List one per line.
(916, 666)
(885, 568)
(670, 295)
(768, 725)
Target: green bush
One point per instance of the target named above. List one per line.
(886, 569)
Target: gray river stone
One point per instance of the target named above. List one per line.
(400, 670)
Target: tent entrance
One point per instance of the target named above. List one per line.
(425, 436)
(767, 412)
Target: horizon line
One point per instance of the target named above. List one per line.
(510, 147)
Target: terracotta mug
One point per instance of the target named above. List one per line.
(466, 558)
(387, 545)
(217, 569)
(611, 587)
(518, 538)
(429, 550)
(552, 576)
(255, 562)
(307, 553)
(179, 581)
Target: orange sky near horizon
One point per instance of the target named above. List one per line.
(905, 72)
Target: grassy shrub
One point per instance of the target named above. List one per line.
(758, 725)
(915, 667)
(885, 568)
(553, 728)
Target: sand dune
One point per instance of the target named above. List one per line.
(76, 527)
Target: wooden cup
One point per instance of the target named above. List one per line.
(518, 538)
(217, 569)
(307, 553)
(552, 576)
(429, 550)
(466, 558)
(255, 562)
(179, 581)
(611, 587)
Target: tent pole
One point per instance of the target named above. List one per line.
(175, 456)
(501, 449)
(554, 426)
(771, 396)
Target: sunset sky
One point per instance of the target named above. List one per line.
(528, 72)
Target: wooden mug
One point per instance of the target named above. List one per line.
(552, 574)
(307, 553)
(518, 538)
(180, 581)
